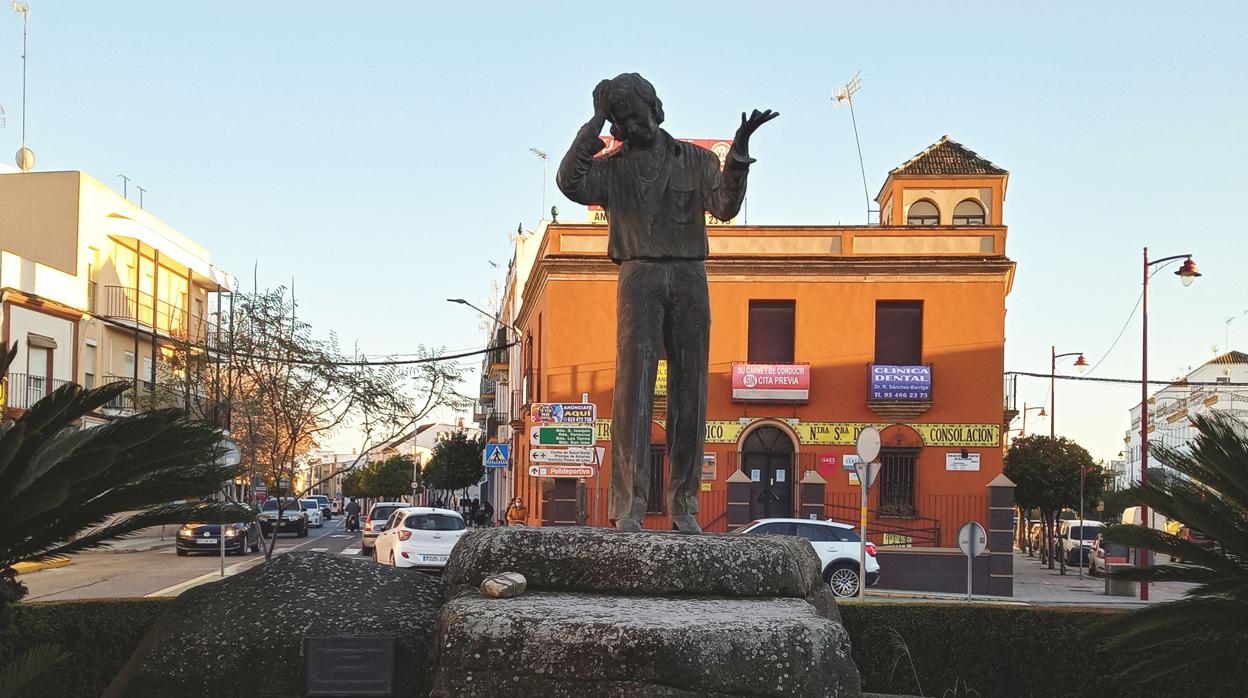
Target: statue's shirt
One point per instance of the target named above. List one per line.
(658, 216)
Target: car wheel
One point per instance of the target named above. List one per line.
(181, 552)
(843, 578)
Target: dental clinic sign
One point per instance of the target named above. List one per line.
(771, 382)
(901, 383)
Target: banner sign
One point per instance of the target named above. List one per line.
(900, 383)
(660, 379)
(845, 433)
(771, 382)
(719, 146)
(561, 436)
(563, 412)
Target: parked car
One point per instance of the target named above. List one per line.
(1075, 538)
(1197, 536)
(294, 517)
(240, 538)
(1105, 553)
(418, 537)
(316, 516)
(838, 546)
(326, 506)
(373, 522)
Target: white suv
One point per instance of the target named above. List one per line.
(1075, 538)
(837, 545)
(419, 537)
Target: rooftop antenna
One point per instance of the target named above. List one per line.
(141, 190)
(125, 186)
(25, 156)
(846, 95)
(542, 154)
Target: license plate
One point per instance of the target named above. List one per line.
(203, 541)
(434, 558)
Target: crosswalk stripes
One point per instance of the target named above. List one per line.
(350, 551)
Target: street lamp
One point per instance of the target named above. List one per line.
(1027, 409)
(1187, 273)
(491, 316)
(1080, 363)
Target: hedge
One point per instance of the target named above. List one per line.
(99, 634)
(1016, 651)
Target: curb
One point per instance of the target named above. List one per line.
(139, 548)
(28, 567)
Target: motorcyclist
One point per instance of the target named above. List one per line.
(353, 515)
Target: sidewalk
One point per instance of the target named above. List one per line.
(1036, 584)
(147, 539)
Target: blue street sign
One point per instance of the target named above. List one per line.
(497, 455)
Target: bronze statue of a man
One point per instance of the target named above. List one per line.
(655, 190)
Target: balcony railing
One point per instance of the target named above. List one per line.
(22, 390)
(122, 303)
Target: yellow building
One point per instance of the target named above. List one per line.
(94, 289)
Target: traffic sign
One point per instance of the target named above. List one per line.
(573, 455)
(561, 471)
(867, 472)
(497, 455)
(868, 443)
(563, 412)
(972, 539)
(561, 436)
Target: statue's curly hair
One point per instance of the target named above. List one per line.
(626, 84)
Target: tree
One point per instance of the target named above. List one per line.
(1208, 490)
(64, 490)
(390, 478)
(1046, 474)
(456, 463)
(287, 391)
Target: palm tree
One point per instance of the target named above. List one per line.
(65, 490)
(1210, 493)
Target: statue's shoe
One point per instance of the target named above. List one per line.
(630, 525)
(686, 523)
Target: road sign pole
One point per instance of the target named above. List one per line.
(970, 561)
(862, 527)
(868, 448)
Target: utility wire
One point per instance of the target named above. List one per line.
(1108, 351)
(1125, 381)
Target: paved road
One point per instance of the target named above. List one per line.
(161, 572)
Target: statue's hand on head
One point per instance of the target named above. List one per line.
(602, 96)
(749, 125)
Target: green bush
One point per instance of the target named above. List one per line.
(98, 634)
(1015, 651)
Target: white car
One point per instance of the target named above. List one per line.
(837, 545)
(1075, 538)
(316, 517)
(418, 537)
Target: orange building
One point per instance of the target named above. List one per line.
(816, 332)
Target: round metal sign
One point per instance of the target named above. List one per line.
(972, 539)
(868, 444)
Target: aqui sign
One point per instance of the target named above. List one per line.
(563, 413)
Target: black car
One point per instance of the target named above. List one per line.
(294, 518)
(240, 538)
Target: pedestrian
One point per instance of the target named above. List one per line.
(487, 511)
(517, 514)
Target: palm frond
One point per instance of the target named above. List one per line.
(25, 668)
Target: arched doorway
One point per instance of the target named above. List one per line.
(767, 458)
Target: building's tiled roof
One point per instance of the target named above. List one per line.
(1230, 357)
(947, 157)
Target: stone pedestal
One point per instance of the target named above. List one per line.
(658, 615)
(811, 491)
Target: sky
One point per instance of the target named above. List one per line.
(378, 153)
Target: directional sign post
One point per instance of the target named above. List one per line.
(868, 450)
(497, 455)
(561, 436)
(572, 455)
(972, 539)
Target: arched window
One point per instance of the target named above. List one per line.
(923, 212)
(969, 212)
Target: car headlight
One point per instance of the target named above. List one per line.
(231, 533)
(186, 531)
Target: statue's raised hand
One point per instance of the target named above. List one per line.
(602, 98)
(750, 124)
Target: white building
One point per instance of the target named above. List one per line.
(1171, 408)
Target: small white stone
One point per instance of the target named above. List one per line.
(504, 585)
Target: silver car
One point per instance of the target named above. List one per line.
(371, 525)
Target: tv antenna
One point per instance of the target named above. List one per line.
(544, 157)
(25, 156)
(846, 95)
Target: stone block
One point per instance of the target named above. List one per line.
(504, 586)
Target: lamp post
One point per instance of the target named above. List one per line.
(1080, 363)
(1027, 409)
(1187, 273)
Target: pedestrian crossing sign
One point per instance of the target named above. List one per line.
(497, 455)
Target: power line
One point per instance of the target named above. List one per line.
(1125, 381)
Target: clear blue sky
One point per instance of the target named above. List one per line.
(378, 152)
